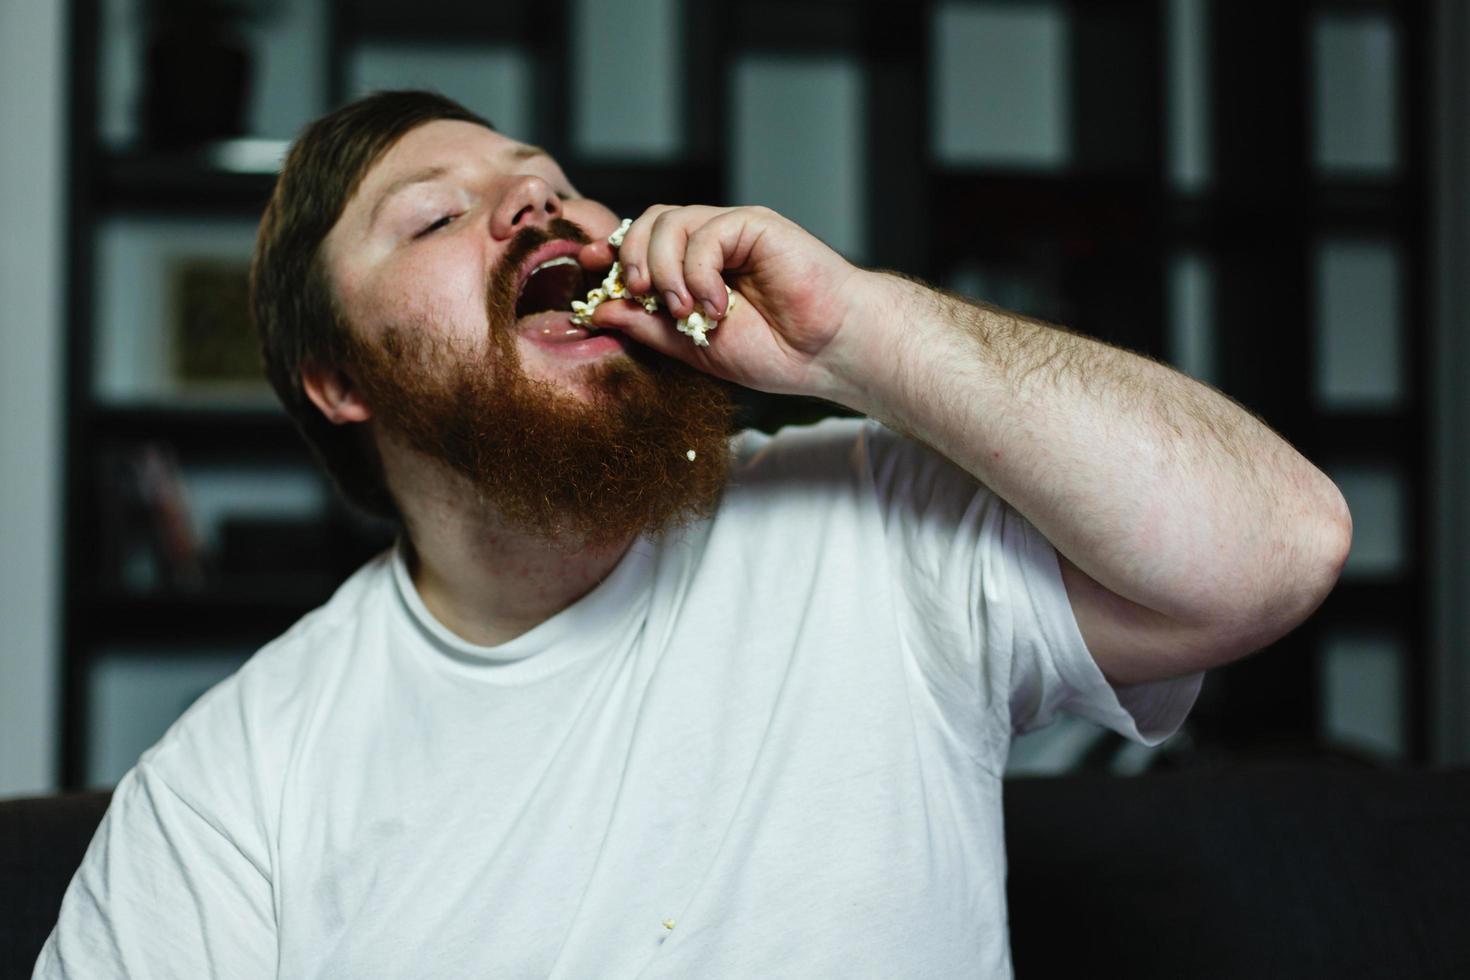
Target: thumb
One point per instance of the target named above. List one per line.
(654, 330)
(597, 255)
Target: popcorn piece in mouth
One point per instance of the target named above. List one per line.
(695, 325)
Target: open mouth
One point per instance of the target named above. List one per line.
(553, 285)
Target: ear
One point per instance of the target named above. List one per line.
(333, 391)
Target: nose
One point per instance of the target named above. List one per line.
(529, 201)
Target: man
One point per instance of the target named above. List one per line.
(632, 697)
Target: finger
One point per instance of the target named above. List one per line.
(707, 255)
(666, 246)
(659, 252)
(597, 256)
(633, 252)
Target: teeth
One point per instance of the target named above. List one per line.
(560, 260)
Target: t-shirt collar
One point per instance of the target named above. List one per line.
(565, 636)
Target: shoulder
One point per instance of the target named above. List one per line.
(222, 752)
(313, 646)
(317, 647)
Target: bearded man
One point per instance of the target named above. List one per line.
(637, 695)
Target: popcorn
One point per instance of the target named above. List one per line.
(616, 238)
(695, 325)
(612, 287)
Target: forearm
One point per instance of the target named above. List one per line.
(1161, 489)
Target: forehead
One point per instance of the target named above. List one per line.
(444, 142)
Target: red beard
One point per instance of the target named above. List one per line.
(580, 473)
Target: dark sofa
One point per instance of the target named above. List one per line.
(1285, 871)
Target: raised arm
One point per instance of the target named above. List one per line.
(1189, 533)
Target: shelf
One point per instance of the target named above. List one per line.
(1363, 435)
(1064, 204)
(1383, 603)
(1077, 211)
(805, 29)
(1325, 207)
(821, 27)
(629, 186)
(448, 22)
(233, 429)
(179, 182)
(255, 613)
(188, 183)
(1367, 203)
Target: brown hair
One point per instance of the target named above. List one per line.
(291, 298)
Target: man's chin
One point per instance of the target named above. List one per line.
(567, 445)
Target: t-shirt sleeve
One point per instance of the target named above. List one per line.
(983, 609)
(169, 887)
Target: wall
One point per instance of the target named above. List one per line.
(32, 223)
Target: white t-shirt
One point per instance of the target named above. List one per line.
(770, 747)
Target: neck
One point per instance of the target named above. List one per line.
(489, 584)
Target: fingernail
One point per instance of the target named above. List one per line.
(630, 274)
(671, 300)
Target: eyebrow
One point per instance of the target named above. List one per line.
(426, 174)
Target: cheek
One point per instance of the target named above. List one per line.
(436, 295)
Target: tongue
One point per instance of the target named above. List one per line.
(567, 335)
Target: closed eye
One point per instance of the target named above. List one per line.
(436, 225)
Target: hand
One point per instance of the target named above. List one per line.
(788, 331)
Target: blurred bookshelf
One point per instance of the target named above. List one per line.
(1213, 243)
(191, 183)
